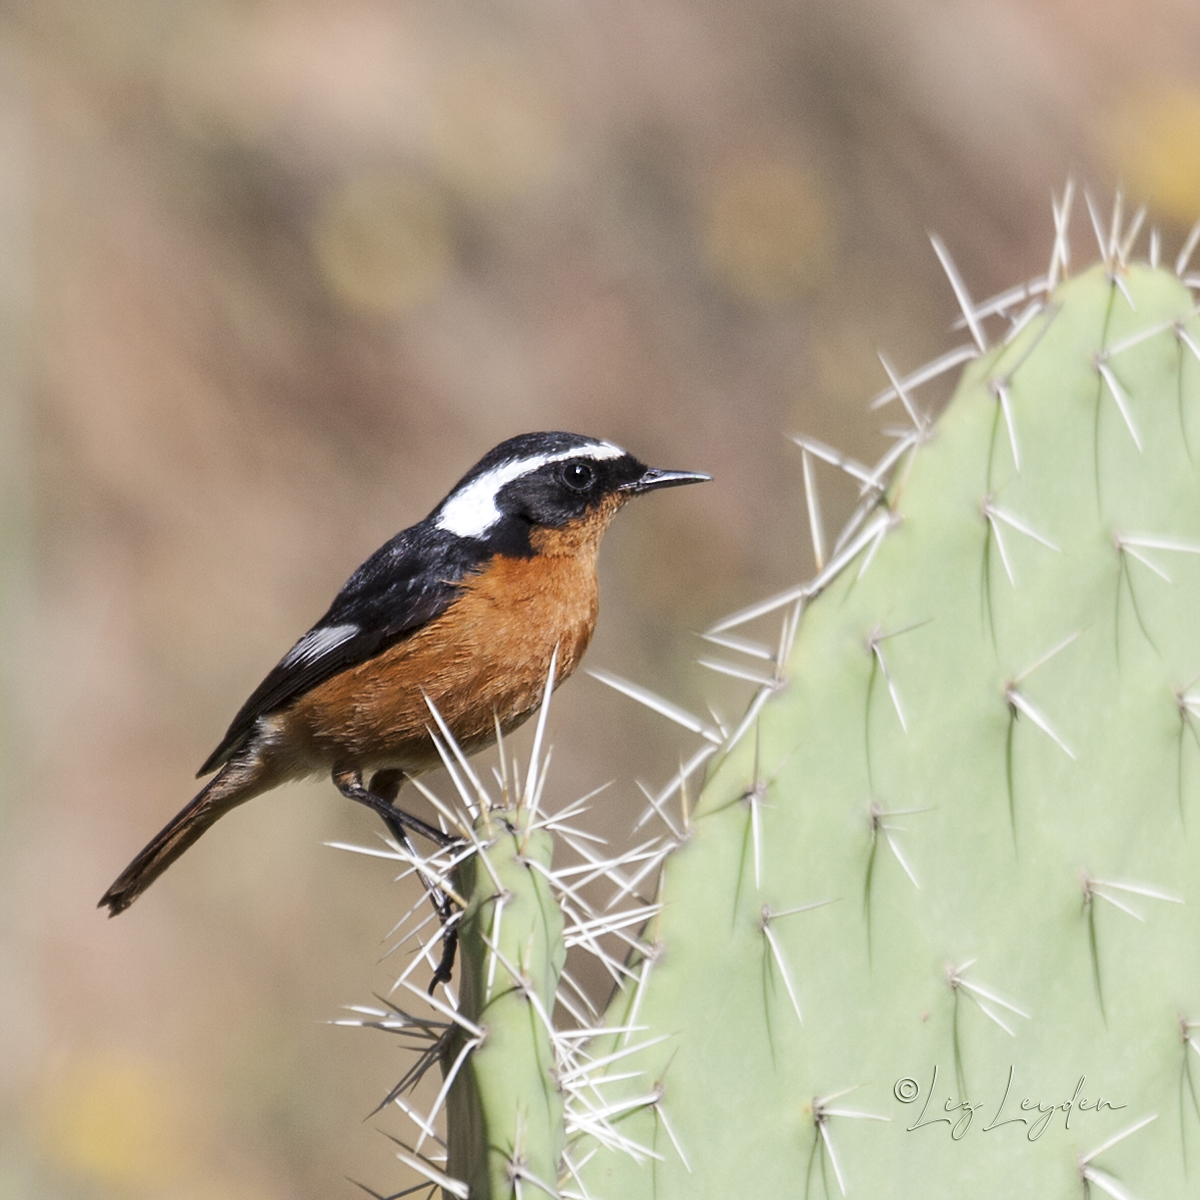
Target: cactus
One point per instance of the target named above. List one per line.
(931, 926)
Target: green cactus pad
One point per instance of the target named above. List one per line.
(965, 835)
(932, 926)
(504, 1123)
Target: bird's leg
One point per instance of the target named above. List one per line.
(386, 785)
(348, 781)
(381, 796)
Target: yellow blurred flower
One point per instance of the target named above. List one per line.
(114, 1120)
(769, 233)
(126, 1127)
(383, 243)
(1155, 144)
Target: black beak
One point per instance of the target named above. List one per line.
(653, 478)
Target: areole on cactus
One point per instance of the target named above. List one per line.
(929, 924)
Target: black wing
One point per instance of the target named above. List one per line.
(404, 585)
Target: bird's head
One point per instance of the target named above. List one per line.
(544, 482)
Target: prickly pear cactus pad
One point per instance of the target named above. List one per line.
(928, 920)
(937, 930)
(512, 955)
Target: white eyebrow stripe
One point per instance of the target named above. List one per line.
(472, 511)
(318, 642)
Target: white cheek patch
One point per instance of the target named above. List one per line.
(318, 643)
(472, 511)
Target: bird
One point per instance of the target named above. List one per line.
(465, 612)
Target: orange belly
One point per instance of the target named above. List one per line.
(485, 659)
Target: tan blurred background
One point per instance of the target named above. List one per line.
(272, 275)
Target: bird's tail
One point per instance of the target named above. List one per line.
(231, 786)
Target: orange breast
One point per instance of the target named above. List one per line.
(486, 657)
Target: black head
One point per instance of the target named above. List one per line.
(548, 480)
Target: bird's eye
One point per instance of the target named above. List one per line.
(578, 476)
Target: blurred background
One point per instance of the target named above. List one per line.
(272, 276)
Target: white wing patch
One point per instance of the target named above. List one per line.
(318, 643)
(472, 511)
